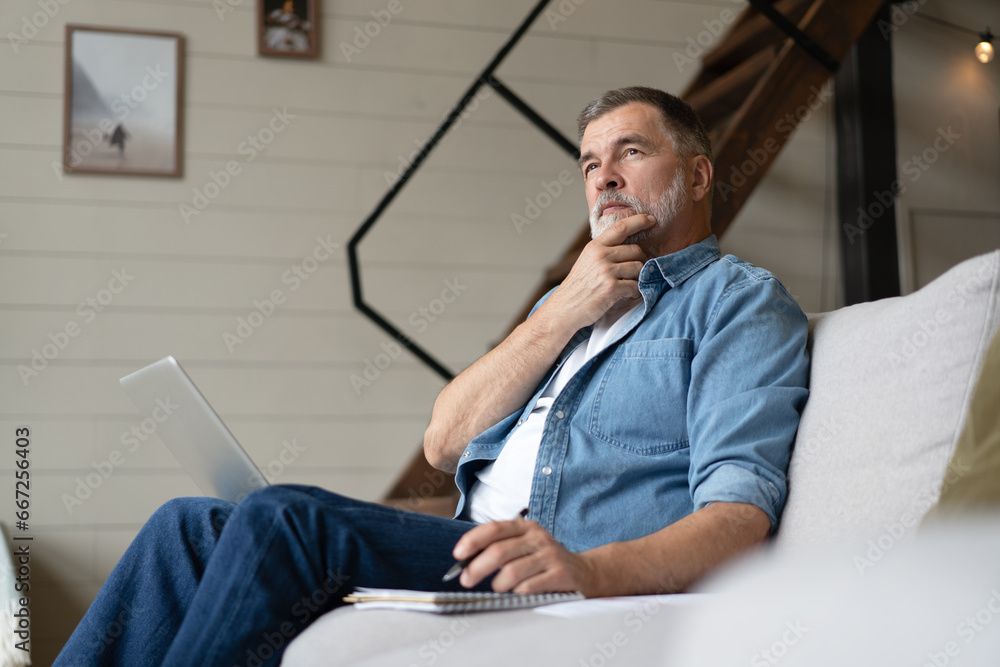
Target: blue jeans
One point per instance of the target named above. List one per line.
(207, 582)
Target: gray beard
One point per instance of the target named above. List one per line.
(664, 210)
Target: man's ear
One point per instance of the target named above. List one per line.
(701, 182)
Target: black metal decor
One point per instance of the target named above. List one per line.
(485, 78)
(867, 183)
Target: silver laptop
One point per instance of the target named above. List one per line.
(192, 430)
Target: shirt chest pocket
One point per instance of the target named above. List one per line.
(641, 401)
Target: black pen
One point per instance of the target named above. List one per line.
(457, 568)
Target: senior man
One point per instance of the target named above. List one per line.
(643, 413)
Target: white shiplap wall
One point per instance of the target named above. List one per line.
(950, 211)
(63, 237)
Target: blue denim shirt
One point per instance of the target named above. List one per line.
(696, 400)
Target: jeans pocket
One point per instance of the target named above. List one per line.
(641, 402)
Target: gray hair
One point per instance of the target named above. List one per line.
(681, 123)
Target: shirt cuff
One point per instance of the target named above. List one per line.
(731, 483)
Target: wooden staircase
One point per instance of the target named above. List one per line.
(753, 90)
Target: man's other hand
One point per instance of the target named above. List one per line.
(605, 274)
(529, 560)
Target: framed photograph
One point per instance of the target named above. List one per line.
(288, 28)
(123, 98)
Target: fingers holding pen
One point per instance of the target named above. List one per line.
(524, 556)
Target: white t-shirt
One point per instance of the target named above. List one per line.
(503, 487)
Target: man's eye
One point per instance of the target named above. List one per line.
(632, 151)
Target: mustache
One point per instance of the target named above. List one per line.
(615, 197)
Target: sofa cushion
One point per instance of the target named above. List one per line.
(610, 631)
(978, 448)
(933, 602)
(889, 388)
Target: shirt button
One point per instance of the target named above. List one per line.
(560, 414)
(466, 454)
(518, 422)
(546, 470)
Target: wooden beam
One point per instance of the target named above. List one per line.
(422, 488)
(725, 94)
(779, 102)
(748, 38)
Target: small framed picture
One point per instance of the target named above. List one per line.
(288, 28)
(123, 101)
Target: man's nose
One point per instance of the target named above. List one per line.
(608, 178)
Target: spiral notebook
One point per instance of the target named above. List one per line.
(451, 602)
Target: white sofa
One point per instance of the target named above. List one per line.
(843, 582)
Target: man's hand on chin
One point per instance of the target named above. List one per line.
(525, 557)
(605, 274)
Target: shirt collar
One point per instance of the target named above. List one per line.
(677, 267)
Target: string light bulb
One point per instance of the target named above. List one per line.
(984, 50)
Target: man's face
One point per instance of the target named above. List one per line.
(629, 167)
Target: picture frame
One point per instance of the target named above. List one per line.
(288, 28)
(123, 101)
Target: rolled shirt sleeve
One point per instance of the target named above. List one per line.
(749, 380)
